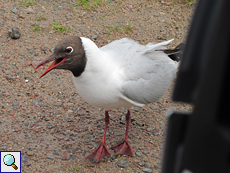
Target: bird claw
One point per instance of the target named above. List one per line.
(123, 148)
(99, 153)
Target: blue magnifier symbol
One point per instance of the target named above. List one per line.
(9, 160)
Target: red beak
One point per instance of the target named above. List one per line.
(56, 62)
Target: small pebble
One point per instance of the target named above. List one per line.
(21, 54)
(147, 165)
(29, 10)
(142, 163)
(138, 154)
(72, 156)
(80, 112)
(118, 133)
(26, 124)
(101, 131)
(139, 124)
(154, 107)
(36, 102)
(16, 104)
(2, 147)
(123, 118)
(29, 69)
(156, 133)
(51, 31)
(145, 152)
(31, 52)
(44, 48)
(94, 37)
(28, 164)
(30, 153)
(51, 158)
(14, 10)
(25, 159)
(150, 129)
(50, 126)
(147, 170)
(7, 72)
(114, 157)
(10, 78)
(122, 163)
(55, 153)
(141, 148)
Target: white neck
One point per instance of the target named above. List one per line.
(89, 46)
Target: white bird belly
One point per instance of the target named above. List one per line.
(100, 94)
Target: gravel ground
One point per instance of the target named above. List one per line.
(45, 118)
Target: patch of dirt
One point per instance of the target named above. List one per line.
(45, 118)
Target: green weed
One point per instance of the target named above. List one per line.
(128, 28)
(76, 168)
(40, 18)
(89, 4)
(112, 29)
(59, 27)
(118, 156)
(36, 27)
(191, 2)
(27, 3)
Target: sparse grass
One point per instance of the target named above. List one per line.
(111, 29)
(118, 156)
(76, 168)
(27, 3)
(36, 27)
(128, 28)
(40, 18)
(109, 1)
(59, 27)
(89, 4)
(139, 4)
(190, 2)
(88, 165)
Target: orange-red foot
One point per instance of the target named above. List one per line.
(99, 153)
(123, 148)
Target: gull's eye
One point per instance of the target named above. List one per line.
(69, 49)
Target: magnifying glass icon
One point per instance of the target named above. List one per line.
(9, 160)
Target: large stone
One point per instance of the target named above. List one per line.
(14, 33)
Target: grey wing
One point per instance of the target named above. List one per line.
(149, 83)
(148, 72)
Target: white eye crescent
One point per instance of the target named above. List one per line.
(69, 49)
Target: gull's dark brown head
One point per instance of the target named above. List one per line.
(68, 54)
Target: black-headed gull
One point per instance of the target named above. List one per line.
(120, 74)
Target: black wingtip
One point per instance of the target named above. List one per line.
(175, 54)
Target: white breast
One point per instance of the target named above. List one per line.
(100, 83)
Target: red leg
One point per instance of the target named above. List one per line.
(124, 147)
(101, 151)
